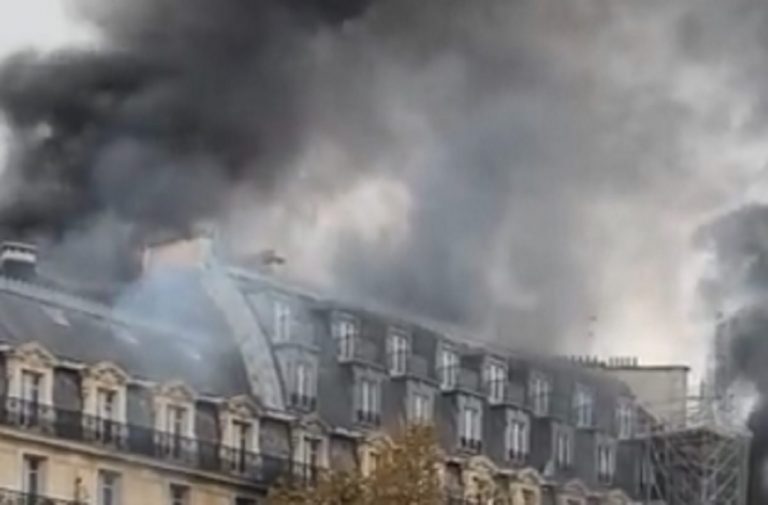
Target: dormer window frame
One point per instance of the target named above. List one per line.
(29, 401)
(517, 435)
(303, 383)
(239, 416)
(625, 418)
(172, 399)
(495, 379)
(448, 367)
(282, 324)
(105, 393)
(398, 351)
(540, 387)
(346, 333)
(584, 406)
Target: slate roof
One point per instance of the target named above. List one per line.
(208, 362)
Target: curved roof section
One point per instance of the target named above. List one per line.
(207, 361)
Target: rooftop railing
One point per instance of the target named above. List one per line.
(174, 448)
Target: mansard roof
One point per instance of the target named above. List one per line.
(85, 332)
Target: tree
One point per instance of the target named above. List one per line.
(406, 473)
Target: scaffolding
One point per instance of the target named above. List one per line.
(700, 461)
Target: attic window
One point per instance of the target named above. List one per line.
(57, 316)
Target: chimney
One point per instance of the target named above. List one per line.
(18, 260)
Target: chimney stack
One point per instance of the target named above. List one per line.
(18, 260)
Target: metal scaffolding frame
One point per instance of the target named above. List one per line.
(699, 462)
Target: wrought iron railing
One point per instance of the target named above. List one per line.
(144, 441)
(10, 497)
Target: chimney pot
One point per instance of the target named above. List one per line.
(18, 260)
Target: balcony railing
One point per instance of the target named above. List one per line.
(10, 497)
(144, 441)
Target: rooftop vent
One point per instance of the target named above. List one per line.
(18, 260)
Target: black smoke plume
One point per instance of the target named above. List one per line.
(182, 101)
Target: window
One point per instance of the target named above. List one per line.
(106, 400)
(471, 428)
(109, 488)
(540, 392)
(177, 420)
(625, 418)
(179, 494)
(368, 401)
(398, 353)
(448, 368)
(517, 435)
(583, 405)
(242, 439)
(345, 333)
(310, 458)
(107, 429)
(282, 322)
(421, 407)
(495, 381)
(178, 428)
(606, 461)
(32, 398)
(303, 388)
(34, 475)
(31, 386)
(563, 446)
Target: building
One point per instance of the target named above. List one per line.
(662, 390)
(205, 384)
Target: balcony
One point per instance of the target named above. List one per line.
(367, 417)
(305, 403)
(206, 455)
(9, 497)
(471, 444)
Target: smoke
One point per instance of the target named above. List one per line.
(531, 168)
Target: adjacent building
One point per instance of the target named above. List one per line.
(206, 384)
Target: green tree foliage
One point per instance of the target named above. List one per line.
(406, 473)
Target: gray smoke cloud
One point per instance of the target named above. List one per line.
(524, 166)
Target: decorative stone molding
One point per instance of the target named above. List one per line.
(105, 376)
(527, 483)
(311, 429)
(479, 478)
(174, 394)
(370, 448)
(240, 409)
(617, 497)
(573, 492)
(31, 357)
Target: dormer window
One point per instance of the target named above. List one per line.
(104, 386)
(625, 418)
(606, 460)
(471, 427)
(584, 406)
(540, 393)
(303, 385)
(240, 438)
(30, 391)
(175, 422)
(397, 349)
(518, 435)
(448, 368)
(282, 322)
(345, 333)
(563, 446)
(495, 381)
